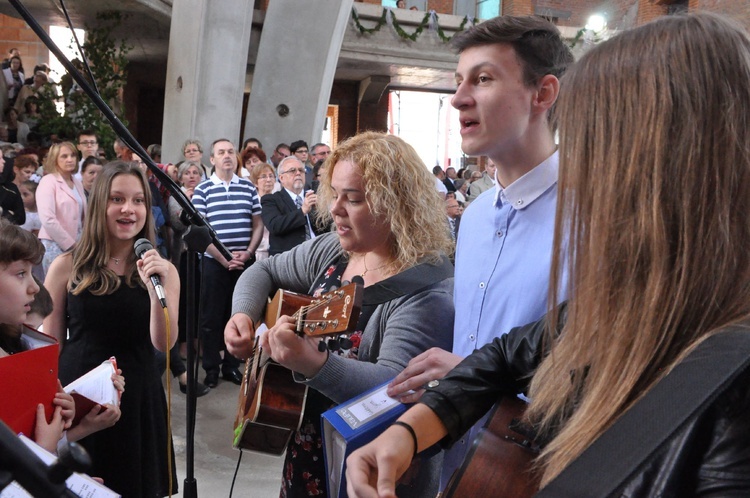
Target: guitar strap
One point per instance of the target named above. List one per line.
(405, 283)
(685, 393)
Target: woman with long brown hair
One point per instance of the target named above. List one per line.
(105, 305)
(653, 211)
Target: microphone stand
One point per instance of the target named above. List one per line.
(190, 214)
(19, 463)
(197, 240)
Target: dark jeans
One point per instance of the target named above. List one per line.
(217, 286)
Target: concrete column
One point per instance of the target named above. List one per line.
(208, 49)
(294, 71)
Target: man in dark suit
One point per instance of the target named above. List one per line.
(289, 213)
(453, 212)
(450, 179)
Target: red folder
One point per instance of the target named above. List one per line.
(27, 379)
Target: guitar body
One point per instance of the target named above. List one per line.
(271, 404)
(499, 462)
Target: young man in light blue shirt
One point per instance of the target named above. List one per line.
(507, 83)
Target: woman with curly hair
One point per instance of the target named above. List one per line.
(376, 190)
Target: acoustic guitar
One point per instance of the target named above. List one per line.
(271, 403)
(499, 463)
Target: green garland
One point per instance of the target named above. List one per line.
(403, 34)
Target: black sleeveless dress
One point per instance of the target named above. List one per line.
(131, 456)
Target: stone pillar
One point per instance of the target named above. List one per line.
(208, 50)
(294, 71)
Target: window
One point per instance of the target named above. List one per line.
(487, 9)
(678, 7)
(389, 3)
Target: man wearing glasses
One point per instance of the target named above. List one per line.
(301, 151)
(88, 145)
(319, 152)
(289, 214)
(280, 152)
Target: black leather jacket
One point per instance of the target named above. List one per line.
(710, 456)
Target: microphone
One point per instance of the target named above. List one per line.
(141, 246)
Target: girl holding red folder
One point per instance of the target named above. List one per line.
(19, 252)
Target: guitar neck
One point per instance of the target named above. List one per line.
(335, 312)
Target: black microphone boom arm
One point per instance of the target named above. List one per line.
(122, 132)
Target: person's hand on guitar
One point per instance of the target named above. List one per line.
(431, 365)
(296, 353)
(239, 336)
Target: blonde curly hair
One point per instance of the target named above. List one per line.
(399, 188)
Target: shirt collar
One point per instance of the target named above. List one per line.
(524, 191)
(218, 181)
(293, 195)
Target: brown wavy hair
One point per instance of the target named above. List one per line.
(92, 253)
(653, 199)
(398, 187)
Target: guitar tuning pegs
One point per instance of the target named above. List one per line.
(345, 343)
(322, 346)
(333, 345)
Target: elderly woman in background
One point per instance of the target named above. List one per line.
(61, 202)
(376, 190)
(192, 150)
(188, 176)
(264, 179)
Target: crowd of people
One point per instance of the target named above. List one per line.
(585, 272)
(23, 92)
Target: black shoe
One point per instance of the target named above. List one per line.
(200, 389)
(212, 379)
(232, 375)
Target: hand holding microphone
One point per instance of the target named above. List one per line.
(142, 246)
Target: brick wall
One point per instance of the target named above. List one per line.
(345, 94)
(373, 117)
(517, 7)
(15, 33)
(440, 6)
(736, 9)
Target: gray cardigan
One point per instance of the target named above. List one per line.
(397, 331)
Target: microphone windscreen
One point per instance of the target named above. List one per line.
(141, 246)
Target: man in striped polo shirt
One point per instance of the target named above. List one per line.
(232, 207)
